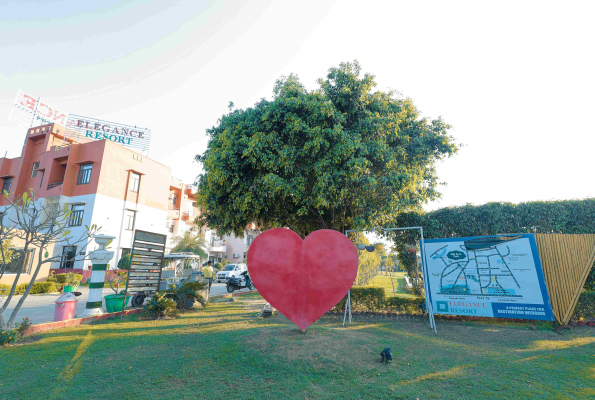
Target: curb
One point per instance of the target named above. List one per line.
(230, 295)
(87, 320)
(77, 321)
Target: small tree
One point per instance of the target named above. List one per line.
(187, 243)
(37, 224)
(116, 279)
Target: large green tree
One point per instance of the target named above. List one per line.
(338, 157)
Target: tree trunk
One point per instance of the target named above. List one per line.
(14, 284)
(22, 300)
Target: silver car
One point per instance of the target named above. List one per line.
(230, 270)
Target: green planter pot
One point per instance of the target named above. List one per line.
(115, 302)
(69, 288)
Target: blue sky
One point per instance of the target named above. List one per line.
(513, 78)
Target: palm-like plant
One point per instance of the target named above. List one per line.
(190, 244)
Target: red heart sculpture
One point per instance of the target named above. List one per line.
(302, 279)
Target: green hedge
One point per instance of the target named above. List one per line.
(585, 307)
(564, 216)
(37, 288)
(373, 299)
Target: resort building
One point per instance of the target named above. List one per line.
(110, 186)
(103, 183)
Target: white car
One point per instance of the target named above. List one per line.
(230, 270)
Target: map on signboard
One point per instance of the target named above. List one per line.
(503, 278)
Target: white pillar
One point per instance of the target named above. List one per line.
(100, 259)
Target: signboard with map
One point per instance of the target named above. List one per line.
(488, 276)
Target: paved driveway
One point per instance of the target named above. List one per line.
(40, 307)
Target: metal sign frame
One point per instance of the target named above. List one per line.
(28, 108)
(146, 256)
(132, 137)
(423, 268)
(482, 243)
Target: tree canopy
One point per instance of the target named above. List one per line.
(339, 157)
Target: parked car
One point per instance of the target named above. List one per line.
(230, 270)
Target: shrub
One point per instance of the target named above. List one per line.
(124, 262)
(69, 279)
(372, 299)
(160, 306)
(17, 333)
(406, 305)
(369, 299)
(218, 267)
(188, 291)
(585, 307)
(23, 327)
(52, 277)
(42, 287)
(38, 287)
(7, 337)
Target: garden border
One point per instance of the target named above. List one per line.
(50, 326)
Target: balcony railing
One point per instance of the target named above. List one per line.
(186, 216)
(218, 247)
(53, 185)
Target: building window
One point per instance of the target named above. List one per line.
(249, 239)
(129, 219)
(16, 263)
(7, 184)
(173, 199)
(134, 182)
(68, 255)
(34, 169)
(169, 226)
(41, 179)
(84, 174)
(76, 217)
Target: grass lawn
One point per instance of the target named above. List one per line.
(383, 280)
(226, 352)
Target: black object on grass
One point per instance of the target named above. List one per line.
(387, 355)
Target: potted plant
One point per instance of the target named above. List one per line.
(115, 302)
(68, 282)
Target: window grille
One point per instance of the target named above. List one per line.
(84, 174)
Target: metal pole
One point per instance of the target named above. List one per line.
(426, 276)
(348, 303)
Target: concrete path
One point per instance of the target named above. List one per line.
(39, 308)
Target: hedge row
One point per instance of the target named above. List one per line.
(373, 299)
(37, 288)
(564, 216)
(585, 307)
